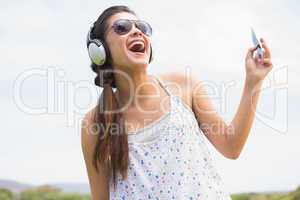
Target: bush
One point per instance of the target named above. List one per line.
(240, 197)
(49, 193)
(6, 194)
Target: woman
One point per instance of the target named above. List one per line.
(146, 138)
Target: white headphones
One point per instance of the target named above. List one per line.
(97, 50)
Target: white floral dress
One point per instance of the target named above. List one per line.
(169, 160)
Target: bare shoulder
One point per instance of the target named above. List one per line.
(180, 84)
(88, 135)
(88, 139)
(88, 117)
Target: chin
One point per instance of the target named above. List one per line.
(138, 60)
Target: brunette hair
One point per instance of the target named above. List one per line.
(111, 150)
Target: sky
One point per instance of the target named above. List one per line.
(47, 84)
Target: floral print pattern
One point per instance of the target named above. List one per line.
(169, 160)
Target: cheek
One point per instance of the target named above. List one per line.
(116, 50)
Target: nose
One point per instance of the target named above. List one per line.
(136, 31)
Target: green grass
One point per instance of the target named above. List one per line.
(294, 195)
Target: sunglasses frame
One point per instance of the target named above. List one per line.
(136, 23)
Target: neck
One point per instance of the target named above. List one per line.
(133, 87)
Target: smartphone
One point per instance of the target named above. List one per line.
(257, 44)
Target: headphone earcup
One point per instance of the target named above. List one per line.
(97, 52)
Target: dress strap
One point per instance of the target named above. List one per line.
(162, 85)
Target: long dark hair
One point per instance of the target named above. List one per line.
(111, 150)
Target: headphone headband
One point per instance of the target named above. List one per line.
(88, 38)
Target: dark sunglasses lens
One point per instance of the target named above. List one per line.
(144, 27)
(122, 26)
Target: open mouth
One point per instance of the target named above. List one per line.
(137, 47)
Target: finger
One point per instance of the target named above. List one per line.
(250, 52)
(267, 52)
(267, 62)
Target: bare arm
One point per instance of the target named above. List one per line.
(230, 139)
(98, 183)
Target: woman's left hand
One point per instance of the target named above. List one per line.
(258, 68)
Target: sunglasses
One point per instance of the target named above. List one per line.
(124, 26)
